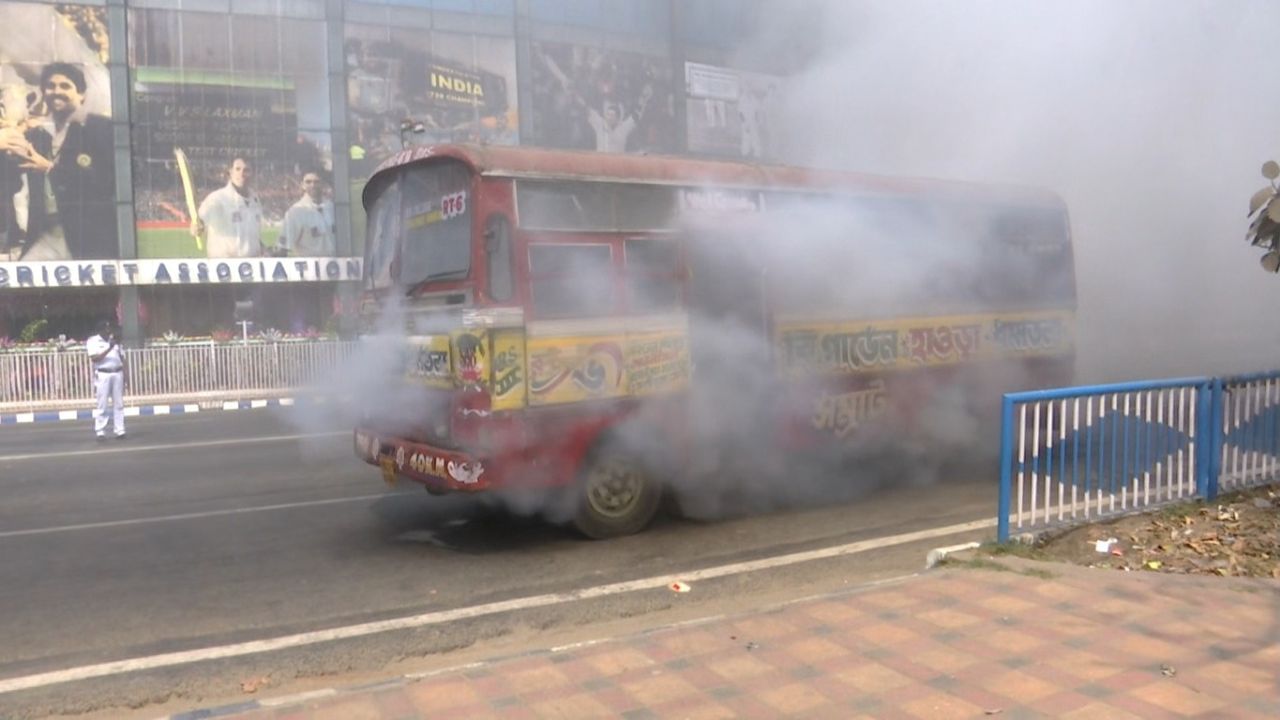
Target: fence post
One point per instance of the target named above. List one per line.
(1006, 467)
(213, 366)
(1204, 428)
(1216, 440)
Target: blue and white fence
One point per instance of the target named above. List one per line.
(1078, 454)
(190, 372)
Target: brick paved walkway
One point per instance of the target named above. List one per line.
(957, 642)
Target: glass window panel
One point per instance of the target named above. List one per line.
(205, 43)
(652, 255)
(302, 47)
(436, 215)
(484, 7)
(653, 282)
(569, 259)
(715, 23)
(645, 207)
(1027, 259)
(565, 206)
(254, 7)
(302, 8)
(643, 18)
(153, 38)
(312, 100)
(571, 280)
(383, 236)
(256, 40)
(653, 293)
(497, 240)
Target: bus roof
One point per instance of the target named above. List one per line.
(542, 163)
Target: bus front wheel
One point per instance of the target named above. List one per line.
(617, 495)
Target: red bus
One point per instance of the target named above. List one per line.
(609, 327)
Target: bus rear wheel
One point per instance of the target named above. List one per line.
(617, 495)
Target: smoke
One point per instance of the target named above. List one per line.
(1150, 119)
(342, 395)
(756, 430)
(1142, 116)
(370, 388)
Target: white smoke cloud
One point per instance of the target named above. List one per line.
(1151, 119)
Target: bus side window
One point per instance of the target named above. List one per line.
(571, 280)
(652, 279)
(497, 253)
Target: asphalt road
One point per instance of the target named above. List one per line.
(223, 527)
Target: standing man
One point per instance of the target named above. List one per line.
(308, 224)
(69, 160)
(108, 380)
(611, 130)
(232, 216)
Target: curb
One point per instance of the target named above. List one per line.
(937, 555)
(23, 418)
(82, 414)
(255, 404)
(285, 701)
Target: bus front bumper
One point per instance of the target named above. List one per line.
(438, 469)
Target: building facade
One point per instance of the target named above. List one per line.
(181, 165)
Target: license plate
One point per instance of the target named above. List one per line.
(388, 466)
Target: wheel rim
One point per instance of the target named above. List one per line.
(614, 487)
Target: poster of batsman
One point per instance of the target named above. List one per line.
(222, 170)
(232, 148)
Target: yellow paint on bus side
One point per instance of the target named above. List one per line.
(510, 387)
(518, 370)
(429, 361)
(805, 348)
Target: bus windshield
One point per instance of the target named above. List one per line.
(383, 235)
(420, 226)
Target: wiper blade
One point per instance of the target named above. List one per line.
(451, 275)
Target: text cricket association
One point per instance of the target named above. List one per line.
(90, 273)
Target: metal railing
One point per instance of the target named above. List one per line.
(1249, 406)
(1083, 453)
(38, 380)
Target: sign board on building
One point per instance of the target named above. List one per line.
(91, 273)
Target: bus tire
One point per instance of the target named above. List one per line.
(616, 494)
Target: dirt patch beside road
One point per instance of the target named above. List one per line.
(1237, 535)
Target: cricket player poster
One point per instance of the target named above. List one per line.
(57, 155)
(731, 112)
(232, 158)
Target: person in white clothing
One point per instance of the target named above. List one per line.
(308, 224)
(108, 380)
(231, 216)
(612, 131)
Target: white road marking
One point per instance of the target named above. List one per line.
(171, 446)
(186, 516)
(284, 642)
